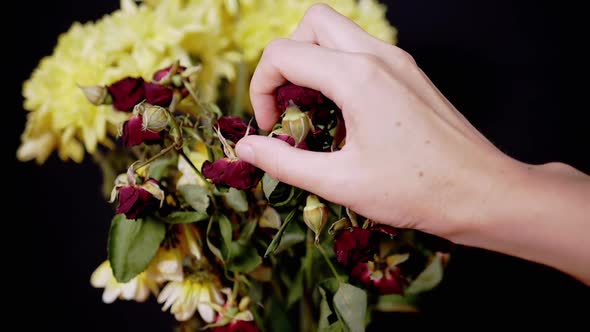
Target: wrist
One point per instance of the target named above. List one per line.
(539, 213)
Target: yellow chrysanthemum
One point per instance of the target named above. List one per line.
(138, 288)
(133, 41)
(196, 292)
(261, 21)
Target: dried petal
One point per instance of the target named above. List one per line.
(127, 93)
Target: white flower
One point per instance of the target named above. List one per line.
(137, 289)
(166, 265)
(184, 298)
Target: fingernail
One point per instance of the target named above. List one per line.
(245, 152)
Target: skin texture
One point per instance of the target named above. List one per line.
(411, 160)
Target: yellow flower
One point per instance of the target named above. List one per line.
(137, 289)
(133, 41)
(261, 21)
(197, 157)
(197, 292)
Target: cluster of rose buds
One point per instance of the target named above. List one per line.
(356, 249)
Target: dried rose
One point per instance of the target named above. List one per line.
(291, 141)
(232, 173)
(234, 128)
(384, 279)
(162, 73)
(135, 134)
(126, 93)
(354, 245)
(237, 326)
(136, 201)
(307, 99)
(157, 94)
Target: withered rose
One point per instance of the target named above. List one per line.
(354, 245)
(384, 279)
(134, 133)
(137, 201)
(233, 128)
(160, 74)
(157, 94)
(127, 93)
(237, 326)
(232, 173)
(305, 98)
(291, 141)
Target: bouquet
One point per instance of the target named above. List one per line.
(156, 94)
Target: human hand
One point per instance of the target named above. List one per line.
(411, 159)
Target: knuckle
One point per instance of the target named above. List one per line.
(274, 47)
(316, 11)
(403, 58)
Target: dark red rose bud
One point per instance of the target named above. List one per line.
(137, 201)
(237, 326)
(127, 93)
(160, 74)
(306, 99)
(135, 134)
(157, 94)
(233, 128)
(291, 141)
(232, 173)
(383, 279)
(354, 245)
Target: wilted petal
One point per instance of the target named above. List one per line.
(134, 133)
(127, 93)
(157, 94)
(232, 173)
(354, 245)
(233, 128)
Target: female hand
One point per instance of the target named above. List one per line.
(411, 160)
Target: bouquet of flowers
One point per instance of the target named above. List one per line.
(156, 94)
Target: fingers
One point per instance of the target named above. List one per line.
(324, 26)
(301, 63)
(304, 169)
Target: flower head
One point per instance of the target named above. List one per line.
(382, 275)
(167, 264)
(291, 141)
(233, 173)
(138, 288)
(134, 133)
(127, 93)
(157, 94)
(305, 98)
(136, 201)
(234, 128)
(354, 245)
(195, 292)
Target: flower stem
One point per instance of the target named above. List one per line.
(327, 259)
(156, 156)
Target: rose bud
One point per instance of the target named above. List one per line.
(127, 93)
(234, 128)
(157, 94)
(97, 95)
(166, 75)
(134, 134)
(154, 119)
(137, 201)
(354, 245)
(296, 123)
(315, 215)
(232, 173)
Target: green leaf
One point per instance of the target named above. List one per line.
(247, 231)
(161, 167)
(279, 319)
(269, 185)
(429, 278)
(350, 304)
(244, 258)
(236, 199)
(328, 321)
(185, 217)
(395, 303)
(226, 235)
(132, 245)
(211, 246)
(287, 200)
(277, 238)
(196, 196)
(293, 234)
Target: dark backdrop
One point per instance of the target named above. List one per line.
(509, 67)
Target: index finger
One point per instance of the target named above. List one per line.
(301, 63)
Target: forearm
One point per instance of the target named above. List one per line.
(542, 214)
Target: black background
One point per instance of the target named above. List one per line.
(509, 67)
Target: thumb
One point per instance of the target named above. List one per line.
(307, 170)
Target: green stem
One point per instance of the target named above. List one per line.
(158, 155)
(327, 259)
(236, 289)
